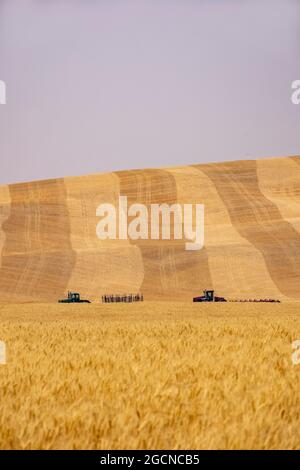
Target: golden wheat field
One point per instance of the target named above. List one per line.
(156, 375)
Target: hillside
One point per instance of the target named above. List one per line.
(48, 241)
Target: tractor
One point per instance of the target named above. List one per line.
(73, 298)
(209, 296)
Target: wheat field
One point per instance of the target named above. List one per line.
(157, 375)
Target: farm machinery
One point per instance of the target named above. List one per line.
(73, 298)
(209, 296)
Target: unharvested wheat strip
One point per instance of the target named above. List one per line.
(229, 254)
(147, 187)
(4, 214)
(278, 180)
(296, 159)
(102, 266)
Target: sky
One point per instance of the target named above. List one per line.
(103, 85)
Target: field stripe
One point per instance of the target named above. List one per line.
(259, 221)
(278, 180)
(230, 256)
(37, 258)
(295, 159)
(170, 270)
(102, 266)
(4, 214)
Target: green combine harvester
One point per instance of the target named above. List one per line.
(73, 298)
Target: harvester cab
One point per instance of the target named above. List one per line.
(209, 295)
(74, 296)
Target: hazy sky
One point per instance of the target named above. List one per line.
(101, 85)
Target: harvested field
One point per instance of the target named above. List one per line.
(49, 245)
(156, 375)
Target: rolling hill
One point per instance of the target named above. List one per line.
(48, 242)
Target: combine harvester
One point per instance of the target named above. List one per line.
(73, 298)
(209, 296)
